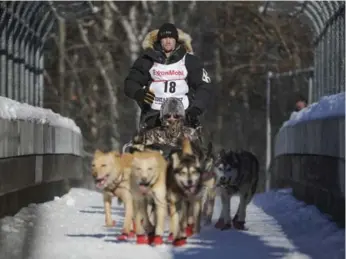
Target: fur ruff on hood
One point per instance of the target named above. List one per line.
(184, 39)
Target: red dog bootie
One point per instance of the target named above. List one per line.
(170, 237)
(123, 237)
(142, 240)
(156, 240)
(189, 230)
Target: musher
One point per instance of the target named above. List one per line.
(167, 68)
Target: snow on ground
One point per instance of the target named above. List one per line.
(13, 110)
(72, 227)
(326, 107)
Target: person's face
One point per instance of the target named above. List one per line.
(172, 117)
(168, 44)
(300, 105)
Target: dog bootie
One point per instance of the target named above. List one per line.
(220, 223)
(240, 225)
(237, 224)
(142, 240)
(179, 241)
(157, 240)
(226, 226)
(123, 237)
(170, 237)
(189, 230)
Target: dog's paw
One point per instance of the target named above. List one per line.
(156, 240)
(142, 240)
(123, 237)
(207, 222)
(110, 223)
(220, 223)
(226, 226)
(179, 241)
(170, 237)
(240, 225)
(189, 230)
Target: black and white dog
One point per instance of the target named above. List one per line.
(238, 174)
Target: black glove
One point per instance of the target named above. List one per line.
(144, 97)
(192, 114)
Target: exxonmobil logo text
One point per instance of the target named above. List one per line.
(171, 72)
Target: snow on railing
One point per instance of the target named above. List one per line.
(13, 110)
(327, 107)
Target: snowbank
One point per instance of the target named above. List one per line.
(13, 110)
(327, 107)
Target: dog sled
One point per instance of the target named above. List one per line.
(156, 145)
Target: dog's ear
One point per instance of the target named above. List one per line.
(187, 146)
(175, 160)
(198, 163)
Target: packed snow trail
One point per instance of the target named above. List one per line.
(73, 227)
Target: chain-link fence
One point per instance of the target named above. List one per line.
(330, 50)
(327, 22)
(24, 27)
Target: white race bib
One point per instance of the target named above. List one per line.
(169, 81)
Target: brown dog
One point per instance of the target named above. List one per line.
(148, 184)
(111, 172)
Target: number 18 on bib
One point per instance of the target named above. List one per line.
(169, 81)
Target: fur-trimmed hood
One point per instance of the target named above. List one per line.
(184, 39)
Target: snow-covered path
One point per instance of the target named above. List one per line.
(72, 227)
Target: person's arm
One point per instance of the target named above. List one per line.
(199, 80)
(137, 78)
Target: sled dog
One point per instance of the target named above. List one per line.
(238, 174)
(148, 185)
(209, 178)
(111, 172)
(184, 192)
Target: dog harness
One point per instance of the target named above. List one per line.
(169, 81)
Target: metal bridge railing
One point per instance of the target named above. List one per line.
(330, 52)
(24, 27)
(327, 21)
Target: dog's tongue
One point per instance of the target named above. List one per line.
(100, 184)
(143, 189)
(192, 189)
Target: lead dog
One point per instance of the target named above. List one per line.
(111, 172)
